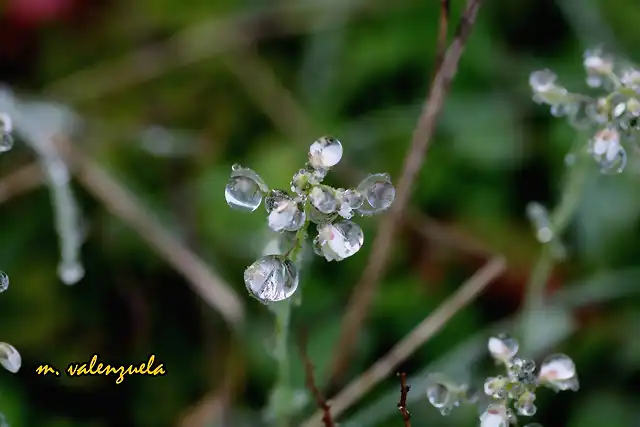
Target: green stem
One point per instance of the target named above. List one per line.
(560, 217)
(280, 404)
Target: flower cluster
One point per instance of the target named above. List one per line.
(275, 277)
(510, 395)
(613, 116)
(6, 127)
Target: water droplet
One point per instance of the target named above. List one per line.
(559, 372)
(244, 189)
(503, 347)
(271, 278)
(300, 182)
(614, 164)
(4, 281)
(323, 199)
(446, 410)
(539, 217)
(6, 142)
(542, 80)
(438, 395)
(528, 365)
(494, 387)
(379, 193)
(236, 167)
(340, 240)
(495, 416)
(70, 273)
(525, 406)
(325, 153)
(284, 212)
(10, 358)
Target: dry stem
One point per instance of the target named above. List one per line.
(365, 290)
(413, 340)
(402, 404)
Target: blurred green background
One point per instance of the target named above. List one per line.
(173, 93)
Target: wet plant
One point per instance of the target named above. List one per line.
(274, 279)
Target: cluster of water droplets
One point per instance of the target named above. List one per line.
(613, 116)
(444, 394)
(514, 393)
(275, 277)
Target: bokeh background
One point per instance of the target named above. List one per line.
(172, 93)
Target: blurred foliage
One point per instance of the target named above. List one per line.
(358, 70)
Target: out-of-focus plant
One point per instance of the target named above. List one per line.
(10, 358)
(510, 395)
(273, 279)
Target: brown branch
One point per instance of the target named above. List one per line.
(378, 260)
(414, 339)
(402, 404)
(443, 30)
(22, 181)
(311, 384)
(117, 199)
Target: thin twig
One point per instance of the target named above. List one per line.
(311, 384)
(402, 404)
(414, 339)
(443, 30)
(24, 180)
(365, 290)
(122, 203)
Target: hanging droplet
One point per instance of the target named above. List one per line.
(10, 358)
(323, 199)
(340, 240)
(615, 163)
(503, 347)
(495, 415)
(539, 216)
(325, 153)
(244, 189)
(284, 212)
(559, 372)
(438, 395)
(271, 278)
(4, 281)
(525, 406)
(494, 387)
(70, 273)
(6, 142)
(378, 192)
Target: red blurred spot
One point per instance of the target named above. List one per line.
(31, 13)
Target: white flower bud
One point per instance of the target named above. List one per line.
(10, 358)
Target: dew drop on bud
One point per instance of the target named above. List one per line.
(325, 152)
(339, 240)
(4, 281)
(244, 189)
(559, 372)
(495, 416)
(284, 212)
(323, 199)
(271, 278)
(10, 358)
(379, 193)
(438, 395)
(503, 347)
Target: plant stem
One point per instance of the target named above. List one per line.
(280, 405)
(560, 217)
